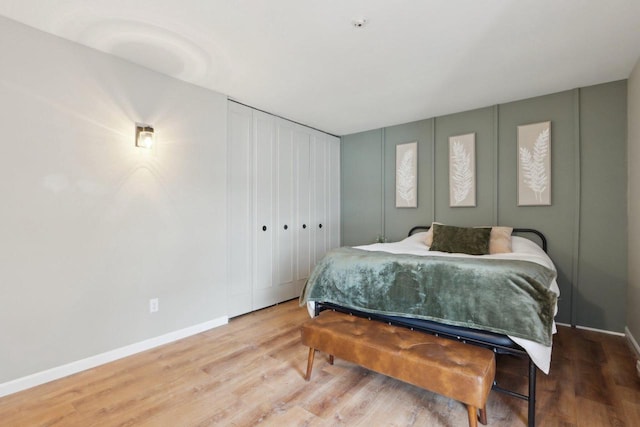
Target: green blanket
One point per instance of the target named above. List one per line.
(504, 296)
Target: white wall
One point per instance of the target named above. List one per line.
(633, 144)
(92, 227)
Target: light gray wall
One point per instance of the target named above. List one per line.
(91, 226)
(633, 290)
(588, 127)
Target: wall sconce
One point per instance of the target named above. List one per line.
(144, 135)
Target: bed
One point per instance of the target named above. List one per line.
(531, 342)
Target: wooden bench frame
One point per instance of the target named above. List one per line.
(450, 368)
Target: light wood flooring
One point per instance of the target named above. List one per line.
(251, 372)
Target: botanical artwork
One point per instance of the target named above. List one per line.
(534, 164)
(407, 175)
(462, 170)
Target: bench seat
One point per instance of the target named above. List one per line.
(459, 371)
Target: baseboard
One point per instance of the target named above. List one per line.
(39, 378)
(633, 341)
(602, 331)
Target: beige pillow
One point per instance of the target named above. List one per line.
(428, 239)
(499, 242)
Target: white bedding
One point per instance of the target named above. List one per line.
(523, 249)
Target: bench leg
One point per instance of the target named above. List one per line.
(483, 415)
(331, 359)
(312, 352)
(473, 416)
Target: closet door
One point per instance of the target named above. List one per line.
(264, 192)
(286, 226)
(284, 206)
(333, 197)
(320, 192)
(302, 144)
(239, 209)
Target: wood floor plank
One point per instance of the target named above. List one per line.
(251, 371)
(632, 410)
(597, 414)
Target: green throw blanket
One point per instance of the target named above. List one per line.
(504, 296)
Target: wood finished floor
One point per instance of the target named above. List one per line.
(251, 372)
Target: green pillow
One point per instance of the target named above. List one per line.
(461, 240)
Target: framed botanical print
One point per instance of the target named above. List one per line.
(407, 175)
(462, 170)
(534, 164)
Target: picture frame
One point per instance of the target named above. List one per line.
(462, 170)
(534, 164)
(407, 175)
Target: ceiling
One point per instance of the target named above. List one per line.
(304, 59)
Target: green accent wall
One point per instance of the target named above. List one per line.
(479, 122)
(602, 274)
(585, 224)
(555, 221)
(396, 219)
(362, 178)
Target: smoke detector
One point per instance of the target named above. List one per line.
(359, 22)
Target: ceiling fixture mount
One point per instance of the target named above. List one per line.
(359, 22)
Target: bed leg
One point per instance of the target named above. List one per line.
(312, 352)
(532, 394)
(331, 359)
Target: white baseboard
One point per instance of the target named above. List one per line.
(586, 328)
(633, 341)
(627, 334)
(602, 331)
(38, 378)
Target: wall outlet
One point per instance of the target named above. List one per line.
(153, 305)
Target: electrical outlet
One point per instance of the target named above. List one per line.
(153, 305)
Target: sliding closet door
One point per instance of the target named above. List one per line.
(264, 196)
(240, 209)
(302, 143)
(284, 206)
(333, 197)
(284, 228)
(320, 191)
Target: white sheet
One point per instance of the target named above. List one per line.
(523, 249)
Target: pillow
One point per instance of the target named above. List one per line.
(429, 236)
(472, 241)
(500, 240)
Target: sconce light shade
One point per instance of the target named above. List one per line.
(144, 135)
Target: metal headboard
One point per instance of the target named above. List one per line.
(543, 239)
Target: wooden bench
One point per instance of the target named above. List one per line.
(459, 371)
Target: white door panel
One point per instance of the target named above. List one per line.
(264, 195)
(240, 213)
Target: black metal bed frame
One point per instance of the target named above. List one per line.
(498, 343)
